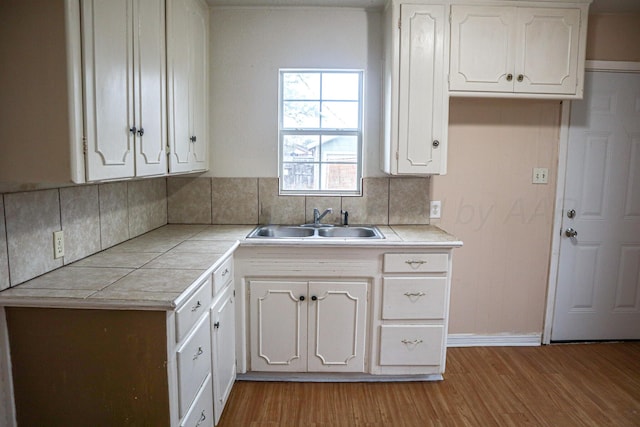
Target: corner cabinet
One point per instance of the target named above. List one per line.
(416, 98)
(187, 58)
(528, 52)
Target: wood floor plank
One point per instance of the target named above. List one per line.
(557, 385)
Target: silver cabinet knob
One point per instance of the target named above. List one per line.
(570, 232)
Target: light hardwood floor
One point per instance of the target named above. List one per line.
(556, 385)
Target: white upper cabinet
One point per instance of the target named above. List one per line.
(416, 99)
(124, 88)
(518, 51)
(187, 32)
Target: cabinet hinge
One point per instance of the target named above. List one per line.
(168, 150)
(397, 156)
(399, 23)
(84, 145)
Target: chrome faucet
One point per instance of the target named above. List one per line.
(317, 216)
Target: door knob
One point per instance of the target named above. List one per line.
(571, 213)
(570, 232)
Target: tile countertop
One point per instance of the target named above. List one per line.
(162, 268)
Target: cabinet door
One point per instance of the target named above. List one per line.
(337, 326)
(547, 56)
(178, 84)
(107, 63)
(198, 27)
(422, 118)
(224, 349)
(150, 87)
(482, 48)
(187, 27)
(278, 322)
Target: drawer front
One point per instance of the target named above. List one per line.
(194, 364)
(414, 297)
(192, 310)
(416, 263)
(415, 345)
(201, 412)
(222, 276)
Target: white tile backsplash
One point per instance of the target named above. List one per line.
(80, 215)
(93, 217)
(31, 218)
(97, 217)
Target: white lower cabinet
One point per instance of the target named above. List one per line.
(223, 340)
(411, 345)
(194, 364)
(307, 326)
(415, 301)
(201, 412)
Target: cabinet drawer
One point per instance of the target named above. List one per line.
(194, 363)
(222, 276)
(190, 312)
(201, 412)
(414, 297)
(411, 344)
(416, 263)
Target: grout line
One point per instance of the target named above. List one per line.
(6, 238)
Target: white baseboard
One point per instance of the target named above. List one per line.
(499, 340)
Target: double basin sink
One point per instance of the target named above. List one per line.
(313, 231)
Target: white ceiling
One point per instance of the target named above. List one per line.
(598, 6)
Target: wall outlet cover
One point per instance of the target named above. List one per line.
(540, 176)
(435, 209)
(58, 244)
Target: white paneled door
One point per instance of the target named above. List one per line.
(598, 290)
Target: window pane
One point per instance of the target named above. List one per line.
(339, 177)
(342, 148)
(300, 148)
(300, 115)
(340, 115)
(341, 86)
(301, 86)
(300, 176)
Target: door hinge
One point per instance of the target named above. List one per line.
(399, 23)
(397, 156)
(168, 150)
(85, 148)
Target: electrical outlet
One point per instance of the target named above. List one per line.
(540, 176)
(58, 244)
(435, 209)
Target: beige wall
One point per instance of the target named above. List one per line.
(505, 221)
(500, 275)
(614, 37)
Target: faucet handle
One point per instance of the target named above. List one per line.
(345, 217)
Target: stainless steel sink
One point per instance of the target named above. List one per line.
(278, 231)
(318, 232)
(359, 232)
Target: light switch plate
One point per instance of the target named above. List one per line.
(540, 176)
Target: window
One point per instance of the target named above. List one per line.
(320, 132)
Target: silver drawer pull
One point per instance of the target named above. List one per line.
(202, 418)
(415, 294)
(225, 272)
(415, 263)
(198, 353)
(412, 342)
(197, 306)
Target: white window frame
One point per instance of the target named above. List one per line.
(282, 132)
